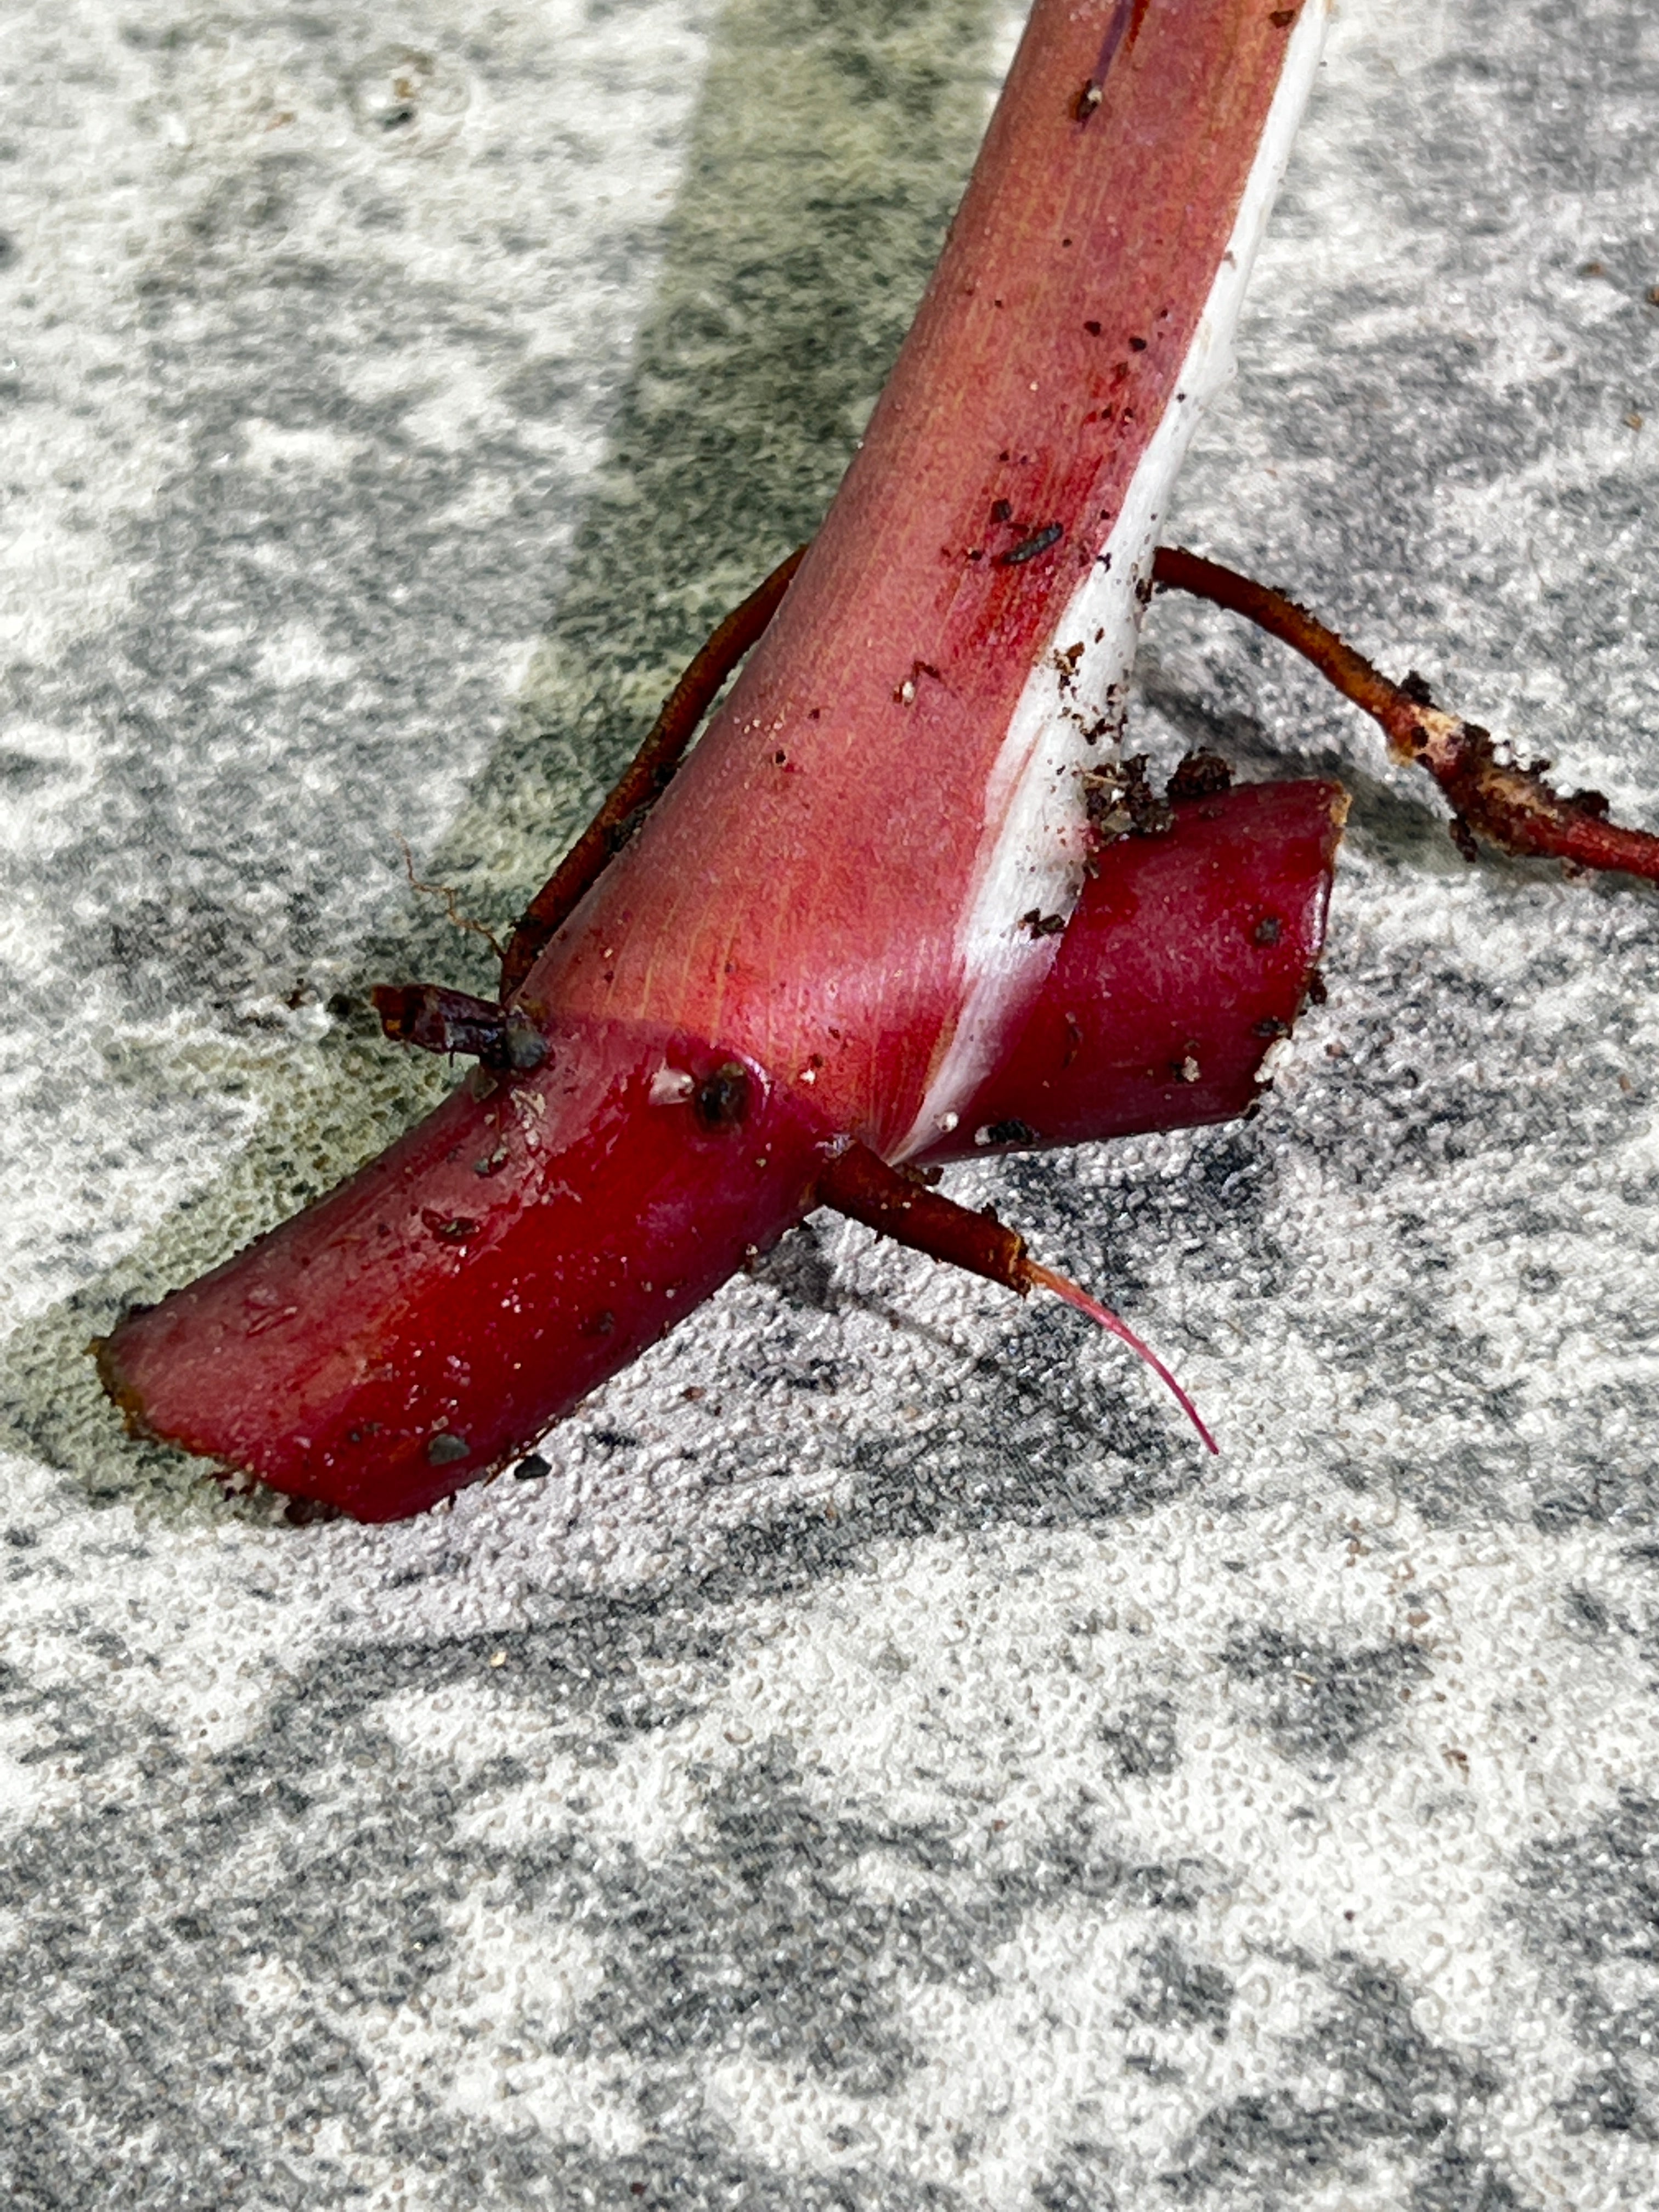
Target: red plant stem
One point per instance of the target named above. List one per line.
(840, 870)
(825, 932)
(1511, 807)
(1191, 952)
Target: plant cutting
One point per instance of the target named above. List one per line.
(900, 903)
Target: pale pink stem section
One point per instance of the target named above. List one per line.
(1074, 1295)
(838, 883)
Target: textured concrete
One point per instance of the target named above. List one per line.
(879, 1764)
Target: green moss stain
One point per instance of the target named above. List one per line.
(830, 146)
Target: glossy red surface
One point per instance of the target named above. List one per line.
(806, 892)
(803, 887)
(434, 1315)
(1188, 955)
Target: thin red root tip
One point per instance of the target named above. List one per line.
(1045, 1278)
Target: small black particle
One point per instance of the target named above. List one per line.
(722, 1099)
(1199, 775)
(1011, 1131)
(1029, 548)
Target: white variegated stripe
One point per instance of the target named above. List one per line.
(1031, 852)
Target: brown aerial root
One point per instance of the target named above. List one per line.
(859, 1184)
(437, 1019)
(1511, 806)
(646, 777)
